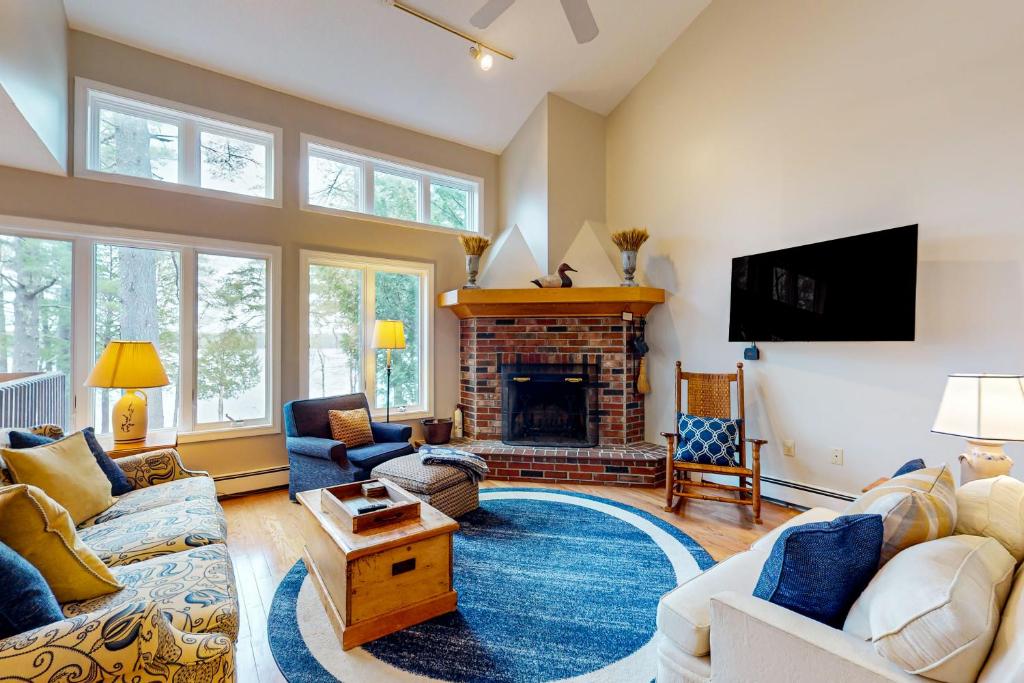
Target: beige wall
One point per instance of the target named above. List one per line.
(772, 124)
(37, 195)
(523, 192)
(33, 95)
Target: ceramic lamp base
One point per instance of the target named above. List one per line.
(982, 460)
(130, 417)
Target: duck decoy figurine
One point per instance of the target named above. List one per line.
(559, 279)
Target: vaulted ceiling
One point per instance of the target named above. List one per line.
(370, 58)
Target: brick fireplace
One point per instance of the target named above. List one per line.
(575, 414)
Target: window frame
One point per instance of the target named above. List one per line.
(84, 239)
(191, 122)
(368, 161)
(370, 265)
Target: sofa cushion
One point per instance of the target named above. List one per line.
(368, 457)
(26, 601)
(1006, 658)
(189, 489)
(308, 417)
(819, 569)
(155, 532)
(684, 614)
(934, 609)
(910, 466)
(67, 471)
(194, 588)
(993, 507)
(36, 527)
(915, 507)
(119, 484)
(351, 427)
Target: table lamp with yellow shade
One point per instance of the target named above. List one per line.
(388, 335)
(132, 366)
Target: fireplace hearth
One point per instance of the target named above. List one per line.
(549, 404)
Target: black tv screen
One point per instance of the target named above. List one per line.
(860, 288)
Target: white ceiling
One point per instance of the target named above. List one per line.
(366, 57)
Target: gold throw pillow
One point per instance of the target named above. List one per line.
(67, 471)
(36, 527)
(350, 426)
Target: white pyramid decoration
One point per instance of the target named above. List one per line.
(509, 263)
(587, 255)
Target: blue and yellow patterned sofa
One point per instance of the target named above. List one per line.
(176, 619)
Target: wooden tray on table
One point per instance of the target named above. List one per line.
(343, 502)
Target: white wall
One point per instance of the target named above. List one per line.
(771, 124)
(34, 85)
(523, 183)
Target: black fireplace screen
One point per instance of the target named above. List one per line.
(549, 405)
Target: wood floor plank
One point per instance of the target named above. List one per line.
(265, 540)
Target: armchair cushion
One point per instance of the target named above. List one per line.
(819, 569)
(369, 456)
(390, 432)
(26, 601)
(317, 447)
(352, 427)
(308, 417)
(707, 441)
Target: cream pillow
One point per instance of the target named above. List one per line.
(915, 507)
(36, 527)
(934, 609)
(67, 471)
(993, 507)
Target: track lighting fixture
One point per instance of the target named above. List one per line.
(484, 59)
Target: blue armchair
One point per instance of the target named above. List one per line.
(317, 461)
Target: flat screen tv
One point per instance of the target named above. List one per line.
(860, 288)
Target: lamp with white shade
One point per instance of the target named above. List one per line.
(988, 411)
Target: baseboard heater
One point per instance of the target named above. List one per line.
(251, 481)
(828, 493)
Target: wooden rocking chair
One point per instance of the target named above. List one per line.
(709, 395)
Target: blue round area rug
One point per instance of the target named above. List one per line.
(553, 586)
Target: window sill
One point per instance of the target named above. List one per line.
(120, 179)
(402, 417)
(228, 433)
(398, 222)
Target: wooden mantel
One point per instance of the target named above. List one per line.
(499, 303)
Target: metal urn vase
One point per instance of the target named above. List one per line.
(629, 268)
(472, 270)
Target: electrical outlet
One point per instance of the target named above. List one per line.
(837, 456)
(789, 448)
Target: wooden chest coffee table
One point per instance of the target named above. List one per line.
(383, 580)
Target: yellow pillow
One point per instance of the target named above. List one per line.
(67, 471)
(915, 507)
(350, 426)
(36, 527)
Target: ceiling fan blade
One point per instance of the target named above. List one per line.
(491, 10)
(581, 20)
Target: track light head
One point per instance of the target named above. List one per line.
(484, 59)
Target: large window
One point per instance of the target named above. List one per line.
(208, 307)
(341, 179)
(133, 138)
(342, 297)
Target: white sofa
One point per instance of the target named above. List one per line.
(712, 628)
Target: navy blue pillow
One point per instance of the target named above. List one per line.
(819, 569)
(708, 440)
(26, 601)
(119, 484)
(910, 466)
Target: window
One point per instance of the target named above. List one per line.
(340, 179)
(342, 297)
(208, 306)
(133, 138)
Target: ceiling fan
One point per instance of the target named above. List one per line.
(581, 19)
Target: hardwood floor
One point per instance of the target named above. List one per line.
(265, 540)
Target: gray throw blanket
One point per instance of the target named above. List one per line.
(473, 465)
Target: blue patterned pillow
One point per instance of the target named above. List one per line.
(708, 440)
(820, 569)
(26, 601)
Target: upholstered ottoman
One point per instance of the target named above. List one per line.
(449, 489)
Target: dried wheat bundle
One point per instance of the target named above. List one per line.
(630, 239)
(474, 246)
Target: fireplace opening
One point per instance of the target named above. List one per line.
(546, 404)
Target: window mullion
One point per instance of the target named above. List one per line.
(424, 203)
(83, 329)
(366, 194)
(188, 313)
(189, 154)
(369, 354)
